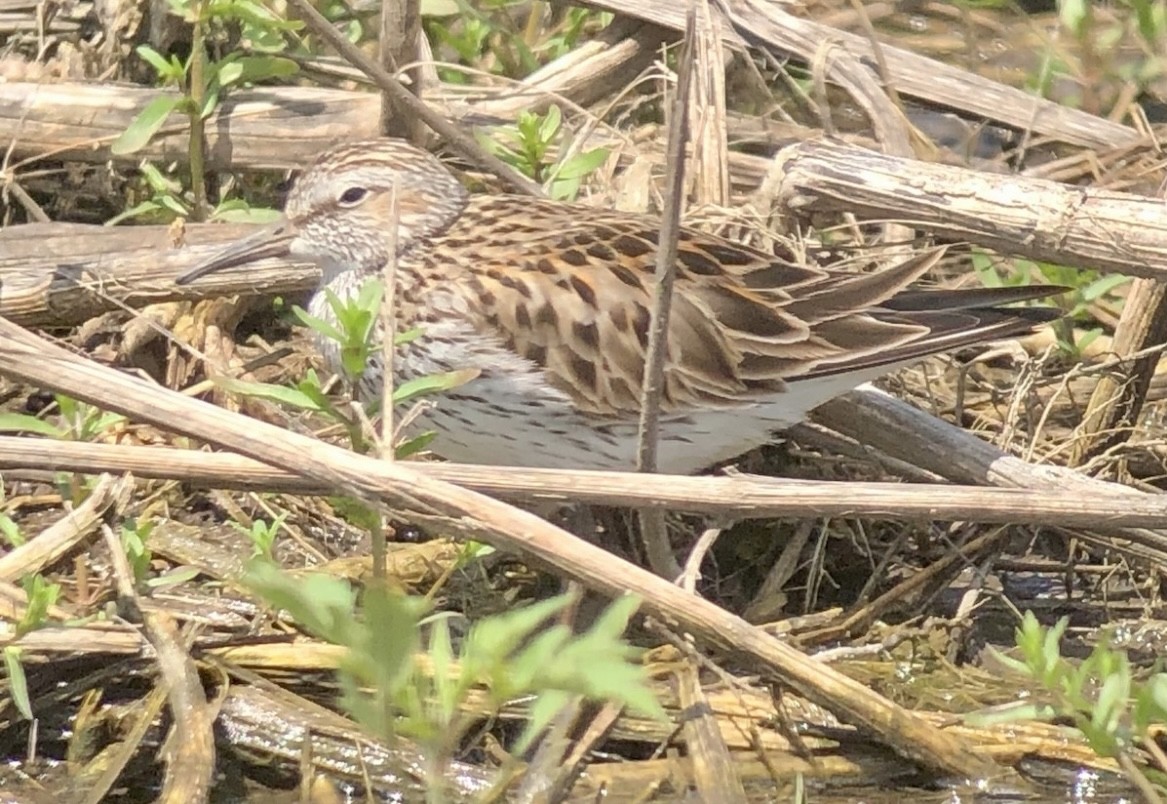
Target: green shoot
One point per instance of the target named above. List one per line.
(1113, 709)
(519, 654)
(528, 145)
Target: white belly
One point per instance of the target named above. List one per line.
(509, 416)
(499, 421)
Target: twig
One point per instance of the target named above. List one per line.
(190, 744)
(688, 579)
(1101, 507)
(8, 184)
(389, 328)
(65, 534)
(189, 750)
(652, 524)
(400, 30)
(884, 423)
(1138, 779)
(141, 716)
(123, 576)
(1118, 398)
(715, 774)
(386, 443)
(404, 99)
(196, 89)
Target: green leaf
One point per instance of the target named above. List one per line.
(159, 182)
(390, 638)
(143, 208)
(17, 681)
(440, 8)
(163, 66)
(262, 68)
(310, 387)
(345, 310)
(1016, 665)
(1051, 647)
(182, 8)
(25, 423)
(1149, 15)
(1157, 685)
(11, 531)
(230, 72)
(369, 298)
(1027, 270)
(495, 147)
(613, 621)
(98, 424)
(1100, 287)
(499, 635)
(564, 189)
(1010, 713)
(441, 654)
(1028, 636)
(539, 716)
(173, 577)
(581, 164)
(293, 397)
(1150, 704)
(354, 360)
(472, 551)
(68, 406)
(409, 336)
(318, 325)
(238, 211)
(356, 512)
(533, 661)
(550, 125)
(1073, 15)
(612, 673)
(414, 445)
(210, 101)
(174, 205)
(41, 596)
(434, 383)
(985, 270)
(1112, 699)
(1086, 338)
(134, 537)
(323, 605)
(617, 680)
(145, 125)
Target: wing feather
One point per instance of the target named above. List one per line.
(570, 288)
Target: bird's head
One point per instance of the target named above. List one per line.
(340, 211)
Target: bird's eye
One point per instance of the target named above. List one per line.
(353, 196)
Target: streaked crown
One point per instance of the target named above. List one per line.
(340, 208)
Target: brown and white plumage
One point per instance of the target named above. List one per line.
(550, 302)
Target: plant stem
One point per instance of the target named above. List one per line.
(197, 94)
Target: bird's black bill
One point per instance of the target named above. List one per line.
(270, 241)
